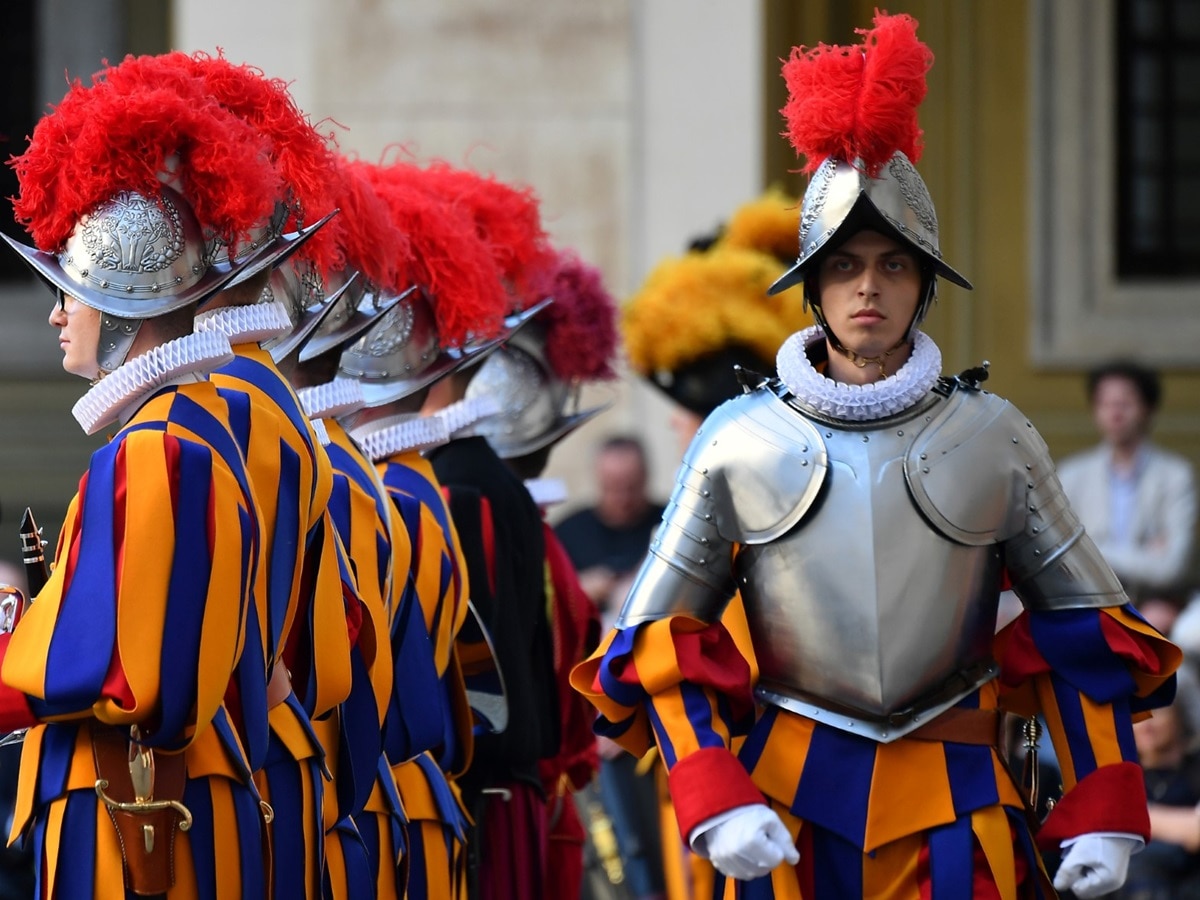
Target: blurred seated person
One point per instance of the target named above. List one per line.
(1169, 866)
(1136, 500)
(608, 541)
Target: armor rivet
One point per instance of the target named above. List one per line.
(1028, 467)
(702, 561)
(707, 493)
(704, 471)
(1035, 529)
(804, 462)
(829, 434)
(883, 734)
(1033, 509)
(916, 717)
(745, 580)
(129, 288)
(704, 541)
(924, 456)
(866, 439)
(927, 418)
(1029, 484)
(708, 517)
(1037, 552)
(899, 434)
(804, 449)
(1015, 441)
(714, 443)
(925, 469)
(104, 283)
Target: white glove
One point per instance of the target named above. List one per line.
(746, 843)
(1095, 864)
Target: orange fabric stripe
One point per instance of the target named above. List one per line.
(896, 794)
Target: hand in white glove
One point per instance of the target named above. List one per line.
(746, 844)
(1095, 864)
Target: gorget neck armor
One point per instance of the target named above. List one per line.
(403, 433)
(857, 402)
(251, 324)
(331, 400)
(116, 397)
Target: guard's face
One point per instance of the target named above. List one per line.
(870, 288)
(78, 336)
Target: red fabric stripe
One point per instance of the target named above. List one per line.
(1019, 657)
(14, 705)
(707, 783)
(488, 527)
(1112, 798)
(1130, 645)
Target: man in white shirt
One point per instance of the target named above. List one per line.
(1136, 500)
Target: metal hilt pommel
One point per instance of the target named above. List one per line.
(1031, 731)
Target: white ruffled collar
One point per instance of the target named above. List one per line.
(251, 324)
(546, 492)
(384, 438)
(462, 417)
(115, 397)
(857, 402)
(333, 399)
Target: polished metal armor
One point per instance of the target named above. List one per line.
(868, 555)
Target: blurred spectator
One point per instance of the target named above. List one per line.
(1136, 500)
(606, 543)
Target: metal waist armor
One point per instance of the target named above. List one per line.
(869, 558)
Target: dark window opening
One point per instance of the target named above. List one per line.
(1158, 138)
(18, 69)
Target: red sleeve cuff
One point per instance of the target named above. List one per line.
(14, 705)
(1112, 798)
(707, 783)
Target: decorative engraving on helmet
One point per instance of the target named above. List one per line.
(916, 197)
(132, 233)
(814, 198)
(393, 331)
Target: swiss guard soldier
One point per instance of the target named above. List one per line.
(536, 380)
(870, 511)
(134, 775)
(429, 732)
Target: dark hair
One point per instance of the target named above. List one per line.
(623, 443)
(1145, 380)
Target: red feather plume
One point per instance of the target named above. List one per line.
(581, 324)
(305, 162)
(369, 240)
(507, 218)
(448, 259)
(859, 103)
(108, 137)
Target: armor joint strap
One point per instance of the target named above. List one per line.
(959, 725)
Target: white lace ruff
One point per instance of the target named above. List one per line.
(333, 399)
(192, 354)
(461, 417)
(251, 324)
(399, 434)
(857, 402)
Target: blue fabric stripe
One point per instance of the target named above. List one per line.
(268, 380)
(837, 866)
(197, 797)
(285, 545)
(58, 747)
(1071, 641)
(972, 778)
(1123, 724)
(290, 863)
(836, 782)
(419, 705)
(250, 840)
(618, 655)
(359, 738)
(699, 713)
(418, 862)
(665, 745)
(951, 861)
(87, 616)
(187, 595)
(77, 847)
(1070, 709)
(756, 741)
(447, 806)
(239, 406)
(1024, 846)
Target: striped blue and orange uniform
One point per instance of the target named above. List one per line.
(143, 622)
(310, 601)
(428, 751)
(911, 818)
(365, 827)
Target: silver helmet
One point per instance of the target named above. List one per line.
(536, 408)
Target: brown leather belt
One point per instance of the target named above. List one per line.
(958, 725)
(279, 686)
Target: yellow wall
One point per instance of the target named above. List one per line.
(976, 122)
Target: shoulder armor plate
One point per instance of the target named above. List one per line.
(978, 440)
(760, 463)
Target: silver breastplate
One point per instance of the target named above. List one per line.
(863, 606)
